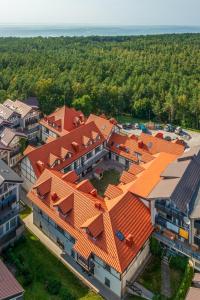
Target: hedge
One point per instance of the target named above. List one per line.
(186, 283)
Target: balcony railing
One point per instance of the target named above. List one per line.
(179, 246)
(8, 200)
(89, 162)
(8, 213)
(197, 224)
(169, 210)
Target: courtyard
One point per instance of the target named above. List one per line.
(111, 175)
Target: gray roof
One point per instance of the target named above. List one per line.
(181, 181)
(20, 107)
(8, 135)
(7, 174)
(5, 112)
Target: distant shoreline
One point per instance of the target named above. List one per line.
(88, 30)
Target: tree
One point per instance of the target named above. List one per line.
(84, 104)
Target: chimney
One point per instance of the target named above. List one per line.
(75, 146)
(94, 192)
(129, 240)
(140, 144)
(134, 137)
(81, 117)
(54, 196)
(40, 166)
(98, 205)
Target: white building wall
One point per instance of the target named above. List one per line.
(134, 266)
(113, 276)
(27, 173)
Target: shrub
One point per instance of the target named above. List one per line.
(185, 284)
(65, 295)
(53, 286)
(27, 276)
(155, 247)
(178, 262)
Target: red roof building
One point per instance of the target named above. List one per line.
(114, 231)
(9, 286)
(60, 122)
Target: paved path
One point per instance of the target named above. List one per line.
(165, 275)
(91, 282)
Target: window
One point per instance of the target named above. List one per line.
(60, 229)
(7, 226)
(72, 240)
(107, 268)
(73, 254)
(89, 155)
(13, 223)
(107, 282)
(1, 230)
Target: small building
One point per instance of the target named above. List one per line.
(10, 150)
(28, 117)
(98, 173)
(10, 289)
(10, 225)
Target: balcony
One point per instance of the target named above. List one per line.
(182, 247)
(89, 162)
(8, 213)
(169, 210)
(86, 265)
(197, 224)
(7, 200)
(197, 240)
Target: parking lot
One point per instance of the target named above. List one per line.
(192, 140)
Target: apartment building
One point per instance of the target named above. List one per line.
(10, 226)
(80, 150)
(27, 117)
(176, 201)
(93, 230)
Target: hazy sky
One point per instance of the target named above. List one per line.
(102, 12)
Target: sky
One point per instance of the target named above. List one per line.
(101, 12)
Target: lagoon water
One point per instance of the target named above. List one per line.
(82, 30)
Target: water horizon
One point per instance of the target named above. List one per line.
(76, 30)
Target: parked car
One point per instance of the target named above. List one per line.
(169, 128)
(158, 127)
(178, 130)
(143, 128)
(168, 138)
(127, 126)
(137, 126)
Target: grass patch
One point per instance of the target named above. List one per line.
(151, 277)
(25, 212)
(29, 254)
(109, 177)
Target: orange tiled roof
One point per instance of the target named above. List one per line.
(127, 177)
(112, 191)
(102, 220)
(157, 145)
(105, 126)
(135, 169)
(72, 142)
(127, 147)
(146, 146)
(147, 179)
(63, 120)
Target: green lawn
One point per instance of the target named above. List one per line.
(109, 177)
(32, 259)
(151, 277)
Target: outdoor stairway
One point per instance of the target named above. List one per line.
(165, 275)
